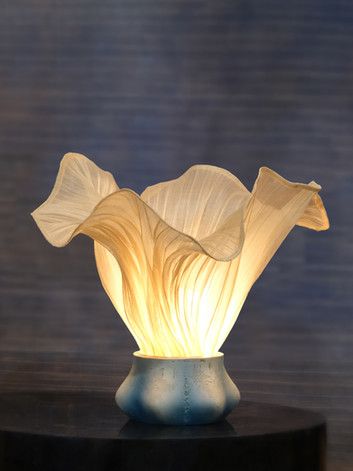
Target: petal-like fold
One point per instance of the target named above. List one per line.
(315, 216)
(147, 252)
(276, 206)
(80, 185)
(208, 204)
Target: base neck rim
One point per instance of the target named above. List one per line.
(140, 355)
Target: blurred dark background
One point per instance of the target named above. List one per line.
(146, 89)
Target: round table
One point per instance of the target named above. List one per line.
(64, 431)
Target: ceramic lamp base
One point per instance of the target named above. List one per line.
(177, 391)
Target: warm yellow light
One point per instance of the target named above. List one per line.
(178, 261)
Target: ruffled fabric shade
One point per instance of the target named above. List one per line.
(179, 260)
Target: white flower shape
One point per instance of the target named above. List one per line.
(179, 260)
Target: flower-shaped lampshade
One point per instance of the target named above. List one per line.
(178, 260)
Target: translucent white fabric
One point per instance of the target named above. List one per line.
(178, 261)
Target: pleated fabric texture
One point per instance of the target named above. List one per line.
(179, 260)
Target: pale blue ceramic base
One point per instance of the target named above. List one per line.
(184, 391)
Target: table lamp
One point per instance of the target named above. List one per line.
(177, 263)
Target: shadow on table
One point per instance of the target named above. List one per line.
(137, 430)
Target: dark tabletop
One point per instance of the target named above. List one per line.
(94, 415)
(76, 430)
